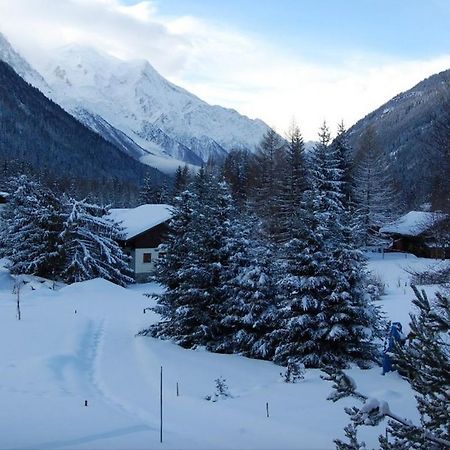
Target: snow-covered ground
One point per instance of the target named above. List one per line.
(78, 343)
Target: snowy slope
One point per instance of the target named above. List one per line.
(122, 141)
(78, 343)
(134, 98)
(21, 66)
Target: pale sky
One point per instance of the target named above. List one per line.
(313, 60)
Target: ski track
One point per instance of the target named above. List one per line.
(84, 370)
(99, 376)
(79, 367)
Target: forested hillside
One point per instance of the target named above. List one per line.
(37, 133)
(413, 132)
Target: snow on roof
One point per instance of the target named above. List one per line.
(413, 223)
(140, 219)
(3, 194)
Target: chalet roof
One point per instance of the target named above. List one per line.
(140, 219)
(414, 223)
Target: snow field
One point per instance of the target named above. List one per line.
(54, 359)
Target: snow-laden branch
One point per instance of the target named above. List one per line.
(373, 410)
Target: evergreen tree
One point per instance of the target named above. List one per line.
(345, 162)
(304, 278)
(30, 227)
(152, 193)
(249, 313)
(375, 197)
(426, 364)
(237, 172)
(193, 268)
(89, 242)
(182, 178)
(295, 182)
(327, 316)
(271, 161)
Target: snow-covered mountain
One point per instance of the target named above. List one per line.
(406, 129)
(156, 115)
(22, 67)
(132, 106)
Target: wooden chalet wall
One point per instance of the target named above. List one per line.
(150, 238)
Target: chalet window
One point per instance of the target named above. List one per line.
(147, 257)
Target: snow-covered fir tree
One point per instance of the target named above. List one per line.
(294, 182)
(344, 155)
(181, 181)
(89, 244)
(304, 278)
(30, 227)
(152, 193)
(193, 269)
(426, 364)
(376, 199)
(249, 312)
(236, 171)
(271, 162)
(327, 316)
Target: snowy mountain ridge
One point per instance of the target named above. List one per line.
(22, 67)
(135, 108)
(157, 115)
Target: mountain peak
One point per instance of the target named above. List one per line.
(134, 97)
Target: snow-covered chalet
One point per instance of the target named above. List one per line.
(424, 234)
(145, 228)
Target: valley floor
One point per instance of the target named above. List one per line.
(78, 343)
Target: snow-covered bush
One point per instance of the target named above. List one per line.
(375, 286)
(222, 392)
(294, 371)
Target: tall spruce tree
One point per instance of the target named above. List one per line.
(153, 193)
(181, 181)
(295, 182)
(271, 162)
(89, 244)
(344, 154)
(249, 313)
(30, 227)
(327, 317)
(236, 171)
(193, 269)
(376, 200)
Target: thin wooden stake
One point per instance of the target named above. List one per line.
(267, 409)
(161, 406)
(178, 391)
(18, 300)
